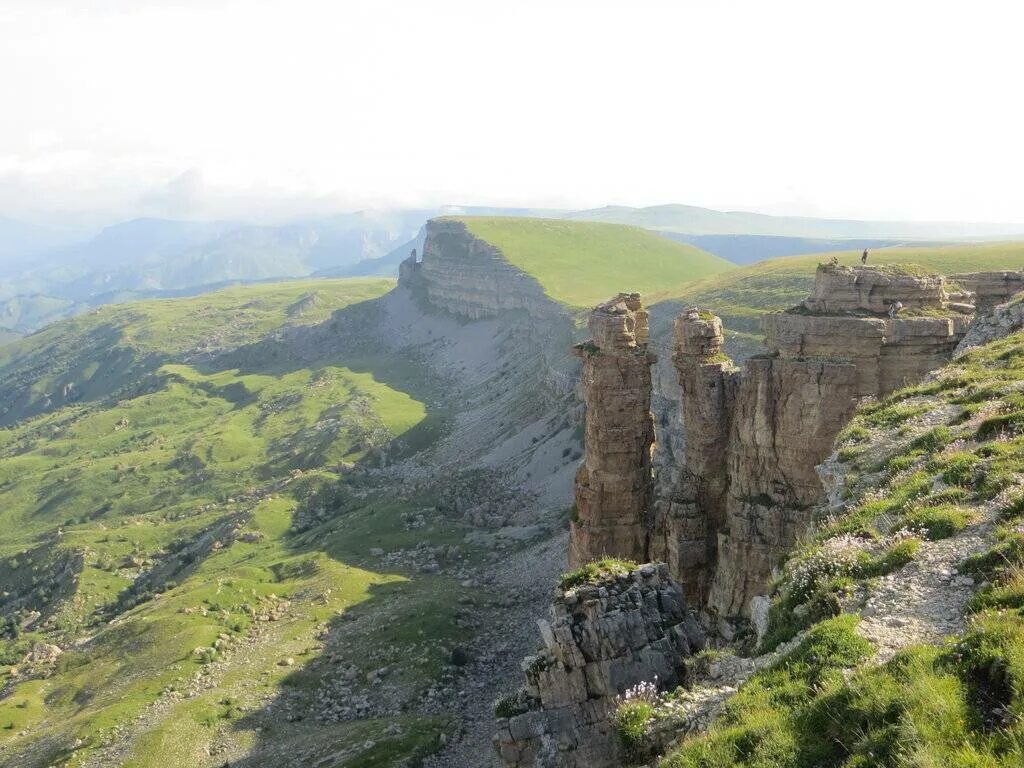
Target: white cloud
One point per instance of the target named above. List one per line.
(876, 109)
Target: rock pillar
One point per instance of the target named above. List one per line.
(613, 485)
(691, 520)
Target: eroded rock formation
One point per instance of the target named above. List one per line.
(748, 482)
(599, 641)
(790, 404)
(688, 519)
(613, 485)
(991, 288)
(469, 277)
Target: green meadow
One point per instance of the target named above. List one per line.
(151, 529)
(581, 264)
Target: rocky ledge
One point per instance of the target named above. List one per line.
(600, 640)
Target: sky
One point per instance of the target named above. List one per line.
(277, 109)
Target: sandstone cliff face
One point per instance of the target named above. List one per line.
(689, 517)
(873, 289)
(470, 278)
(789, 406)
(599, 641)
(786, 416)
(748, 483)
(613, 485)
(998, 324)
(991, 288)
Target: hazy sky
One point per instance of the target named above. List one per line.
(215, 107)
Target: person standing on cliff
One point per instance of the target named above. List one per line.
(864, 257)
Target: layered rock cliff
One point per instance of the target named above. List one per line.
(470, 278)
(601, 639)
(825, 355)
(688, 519)
(613, 484)
(991, 288)
(747, 483)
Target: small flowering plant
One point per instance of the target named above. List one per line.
(633, 711)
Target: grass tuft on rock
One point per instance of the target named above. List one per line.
(597, 572)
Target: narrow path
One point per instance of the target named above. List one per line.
(926, 600)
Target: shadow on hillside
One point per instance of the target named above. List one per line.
(399, 614)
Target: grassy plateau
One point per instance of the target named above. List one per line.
(581, 264)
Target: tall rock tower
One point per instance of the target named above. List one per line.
(689, 521)
(613, 485)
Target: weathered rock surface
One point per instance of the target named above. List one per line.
(688, 519)
(749, 484)
(998, 324)
(469, 277)
(873, 289)
(991, 288)
(600, 640)
(613, 485)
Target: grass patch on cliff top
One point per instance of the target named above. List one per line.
(581, 264)
(605, 569)
(821, 707)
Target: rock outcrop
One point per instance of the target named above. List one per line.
(839, 289)
(991, 288)
(600, 640)
(470, 278)
(613, 485)
(747, 485)
(998, 324)
(688, 519)
(784, 411)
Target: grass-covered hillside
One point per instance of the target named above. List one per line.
(108, 350)
(173, 591)
(741, 296)
(581, 264)
(906, 606)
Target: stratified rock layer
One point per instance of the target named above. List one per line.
(469, 277)
(873, 289)
(600, 640)
(753, 439)
(687, 521)
(991, 288)
(613, 485)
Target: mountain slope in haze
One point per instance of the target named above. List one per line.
(581, 264)
(20, 240)
(26, 312)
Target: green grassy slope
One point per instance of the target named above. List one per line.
(743, 295)
(103, 352)
(165, 528)
(581, 264)
(929, 463)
